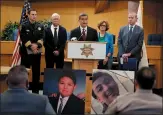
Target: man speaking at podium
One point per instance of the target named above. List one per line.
(84, 32)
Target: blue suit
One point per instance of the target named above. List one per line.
(109, 47)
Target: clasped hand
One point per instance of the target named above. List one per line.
(34, 48)
(125, 56)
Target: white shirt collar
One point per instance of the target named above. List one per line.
(52, 29)
(81, 28)
(52, 26)
(65, 99)
(132, 26)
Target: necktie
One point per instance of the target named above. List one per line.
(129, 37)
(83, 36)
(60, 106)
(130, 33)
(55, 36)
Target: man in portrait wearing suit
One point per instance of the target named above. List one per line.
(130, 40)
(65, 102)
(143, 101)
(84, 32)
(17, 100)
(54, 43)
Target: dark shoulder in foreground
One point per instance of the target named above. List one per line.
(63, 28)
(78, 100)
(90, 28)
(75, 29)
(37, 96)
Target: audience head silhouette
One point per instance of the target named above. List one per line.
(17, 77)
(145, 78)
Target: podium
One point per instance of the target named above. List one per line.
(85, 56)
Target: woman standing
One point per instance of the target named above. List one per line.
(104, 36)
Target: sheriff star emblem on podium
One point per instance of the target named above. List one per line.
(87, 50)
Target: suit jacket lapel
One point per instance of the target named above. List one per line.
(50, 31)
(79, 34)
(59, 33)
(56, 104)
(68, 104)
(88, 33)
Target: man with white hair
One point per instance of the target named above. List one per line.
(54, 43)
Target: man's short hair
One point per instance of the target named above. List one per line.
(107, 80)
(82, 14)
(145, 77)
(29, 11)
(17, 75)
(69, 74)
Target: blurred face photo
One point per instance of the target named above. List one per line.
(83, 21)
(132, 18)
(32, 16)
(66, 86)
(103, 90)
(55, 20)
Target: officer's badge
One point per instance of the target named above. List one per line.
(39, 28)
(27, 30)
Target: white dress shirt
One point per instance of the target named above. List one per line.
(52, 29)
(132, 27)
(65, 99)
(81, 29)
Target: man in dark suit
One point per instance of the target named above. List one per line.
(17, 100)
(31, 35)
(54, 42)
(84, 32)
(65, 102)
(130, 40)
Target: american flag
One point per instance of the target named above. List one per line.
(16, 58)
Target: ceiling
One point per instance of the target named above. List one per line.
(45, 0)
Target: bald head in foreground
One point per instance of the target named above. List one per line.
(143, 101)
(17, 99)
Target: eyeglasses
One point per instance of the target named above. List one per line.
(103, 25)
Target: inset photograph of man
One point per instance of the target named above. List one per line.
(65, 89)
(106, 86)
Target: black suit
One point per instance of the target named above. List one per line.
(32, 33)
(74, 105)
(90, 36)
(50, 47)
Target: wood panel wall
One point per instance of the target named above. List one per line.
(152, 18)
(115, 14)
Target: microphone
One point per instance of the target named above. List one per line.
(75, 38)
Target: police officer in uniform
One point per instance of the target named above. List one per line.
(31, 35)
